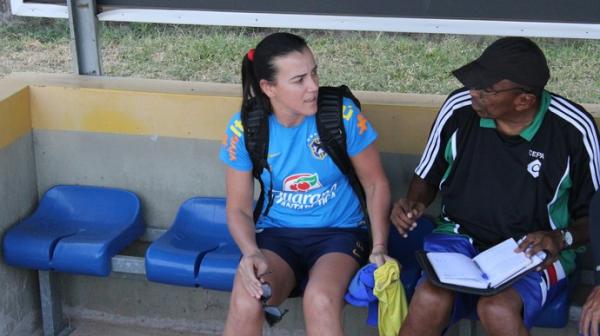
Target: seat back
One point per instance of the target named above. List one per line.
(108, 206)
(204, 216)
(76, 229)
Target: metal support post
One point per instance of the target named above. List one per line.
(84, 37)
(53, 321)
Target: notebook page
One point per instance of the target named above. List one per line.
(500, 261)
(456, 268)
(536, 259)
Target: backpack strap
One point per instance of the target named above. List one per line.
(256, 137)
(332, 133)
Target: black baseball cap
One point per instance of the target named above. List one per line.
(514, 58)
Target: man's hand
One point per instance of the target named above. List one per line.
(252, 268)
(548, 241)
(590, 316)
(379, 255)
(405, 214)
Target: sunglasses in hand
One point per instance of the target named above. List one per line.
(272, 313)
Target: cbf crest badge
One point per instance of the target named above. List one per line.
(314, 143)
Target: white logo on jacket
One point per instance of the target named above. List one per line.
(534, 167)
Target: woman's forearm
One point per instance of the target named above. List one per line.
(378, 204)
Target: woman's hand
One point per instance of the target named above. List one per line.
(379, 255)
(252, 268)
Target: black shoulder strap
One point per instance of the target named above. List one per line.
(332, 133)
(256, 137)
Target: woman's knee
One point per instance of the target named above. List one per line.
(320, 303)
(245, 305)
(242, 304)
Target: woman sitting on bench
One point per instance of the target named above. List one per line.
(310, 233)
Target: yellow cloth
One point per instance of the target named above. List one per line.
(392, 299)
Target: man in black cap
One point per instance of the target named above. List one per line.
(509, 159)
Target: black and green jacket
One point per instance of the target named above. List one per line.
(494, 186)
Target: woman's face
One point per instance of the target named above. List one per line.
(293, 94)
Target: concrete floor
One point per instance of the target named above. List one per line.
(463, 328)
(96, 328)
(85, 327)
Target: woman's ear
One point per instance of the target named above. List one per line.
(267, 88)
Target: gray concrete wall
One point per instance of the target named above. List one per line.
(19, 306)
(163, 171)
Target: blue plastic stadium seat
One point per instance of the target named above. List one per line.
(218, 267)
(75, 229)
(403, 250)
(197, 250)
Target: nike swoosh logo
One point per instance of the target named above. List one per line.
(272, 155)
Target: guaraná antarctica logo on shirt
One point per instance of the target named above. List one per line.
(296, 195)
(314, 143)
(301, 182)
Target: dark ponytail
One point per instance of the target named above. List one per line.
(262, 66)
(250, 87)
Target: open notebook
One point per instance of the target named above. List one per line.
(488, 273)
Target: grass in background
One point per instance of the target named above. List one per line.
(416, 63)
(37, 45)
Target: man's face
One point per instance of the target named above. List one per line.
(497, 101)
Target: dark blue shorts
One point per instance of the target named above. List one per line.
(533, 288)
(300, 248)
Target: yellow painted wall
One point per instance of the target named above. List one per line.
(130, 112)
(402, 129)
(192, 110)
(15, 120)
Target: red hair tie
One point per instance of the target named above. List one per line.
(251, 55)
